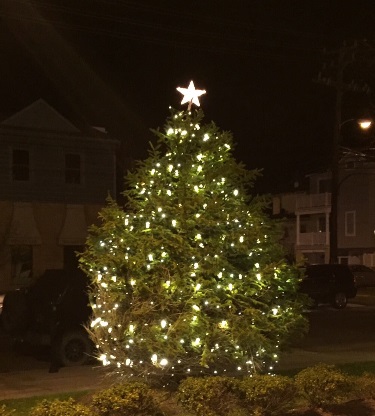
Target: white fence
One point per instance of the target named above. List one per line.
(313, 200)
(312, 239)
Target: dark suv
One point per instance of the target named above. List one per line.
(329, 283)
(53, 313)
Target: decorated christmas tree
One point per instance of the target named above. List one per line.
(190, 277)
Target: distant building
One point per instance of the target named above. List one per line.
(54, 179)
(308, 213)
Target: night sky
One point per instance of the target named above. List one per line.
(116, 64)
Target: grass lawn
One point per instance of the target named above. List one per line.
(23, 406)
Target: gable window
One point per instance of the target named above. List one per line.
(20, 165)
(350, 224)
(72, 168)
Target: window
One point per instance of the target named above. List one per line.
(350, 223)
(304, 223)
(22, 262)
(322, 224)
(72, 168)
(20, 165)
(343, 260)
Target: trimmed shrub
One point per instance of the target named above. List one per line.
(127, 399)
(6, 412)
(267, 395)
(323, 384)
(60, 408)
(210, 396)
(364, 386)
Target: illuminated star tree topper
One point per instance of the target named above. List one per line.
(191, 95)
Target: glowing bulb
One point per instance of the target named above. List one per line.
(196, 342)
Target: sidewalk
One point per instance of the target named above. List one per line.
(39, 382)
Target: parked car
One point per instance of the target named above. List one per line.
(53, 313)
(364, 276)
(329, 283)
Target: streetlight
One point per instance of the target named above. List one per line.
(364, 124)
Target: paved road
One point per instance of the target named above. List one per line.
(337, 336)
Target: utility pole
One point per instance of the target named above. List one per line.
(333, 225)
(345, 56)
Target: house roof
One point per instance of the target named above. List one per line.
(40, 115)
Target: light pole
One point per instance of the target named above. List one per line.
(364, 124)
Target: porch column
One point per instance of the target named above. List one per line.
(328, 231)
(298, 229)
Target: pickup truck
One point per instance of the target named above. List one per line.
(52, 312)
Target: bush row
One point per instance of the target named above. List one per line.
(259, 395)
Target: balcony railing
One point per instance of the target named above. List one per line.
(313, 201)
(313, 239)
